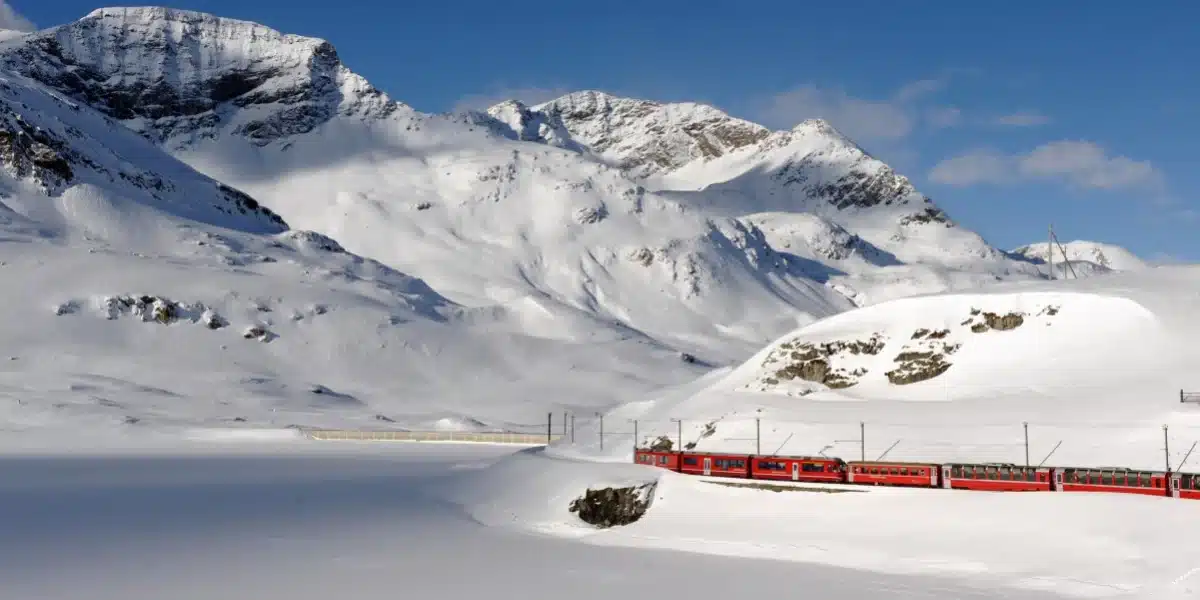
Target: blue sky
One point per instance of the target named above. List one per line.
(1009, 115)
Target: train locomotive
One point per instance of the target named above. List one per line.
(962, 476)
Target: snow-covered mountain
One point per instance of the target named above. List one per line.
(1083, 256)
(141, 294)
(707, 232)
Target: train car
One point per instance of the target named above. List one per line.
(1119, 480)
(893, 473)
(1189, 486)
(798, 468)
(715, 465)
(997, 478)
(657, 458)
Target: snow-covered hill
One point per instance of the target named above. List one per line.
(1096, 363)
(1090, 256)
(636, 213)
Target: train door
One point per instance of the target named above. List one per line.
(933, 477)
(1056, 480)
(945, 469)
(1174, 484)
(795, 471)
(708, 465)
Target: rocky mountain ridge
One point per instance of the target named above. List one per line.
(175, 75)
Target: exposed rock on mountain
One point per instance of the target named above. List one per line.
(61, 149)
(172, 74)
(647, 138)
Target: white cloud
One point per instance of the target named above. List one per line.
(915, 90)
(11, 19)
(528, 95)
(1023, 119)
(858, 118)
(863, 119)
(1080, 164)
(943, 117)
(978, 166)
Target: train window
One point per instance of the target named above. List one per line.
(1106, 478)
(904, 470)
(956, 471)
(1004, 474)
(991, 473)
(874, 470)
(662, 460)
(812, 468)
(691, 461)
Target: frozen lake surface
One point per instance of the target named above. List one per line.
(297, 521)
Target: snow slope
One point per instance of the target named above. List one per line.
(640, 214)
(144, 297)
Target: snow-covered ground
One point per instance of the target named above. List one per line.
(1071, 545)
(299, 521)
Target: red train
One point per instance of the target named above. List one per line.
(965, 476)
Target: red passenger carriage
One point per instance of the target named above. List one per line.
(1123, 481)
(715, 465)
(997, 478)
(893, 473)
(657, 458)
(798, 468)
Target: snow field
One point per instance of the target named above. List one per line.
(1076, 545)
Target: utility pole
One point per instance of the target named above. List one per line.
(862, 440)
(635, 436)
(1050, 250)
(549, 427)
(601, 430)
(757, 436)
(1167, 448)
(1026, 425)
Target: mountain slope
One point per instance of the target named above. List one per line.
(643, 215)
(142, 296)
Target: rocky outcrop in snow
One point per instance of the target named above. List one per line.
(60, 148)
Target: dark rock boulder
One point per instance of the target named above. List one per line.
(611, 507)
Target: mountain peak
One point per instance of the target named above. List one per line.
(169, 74)
(646, 138)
